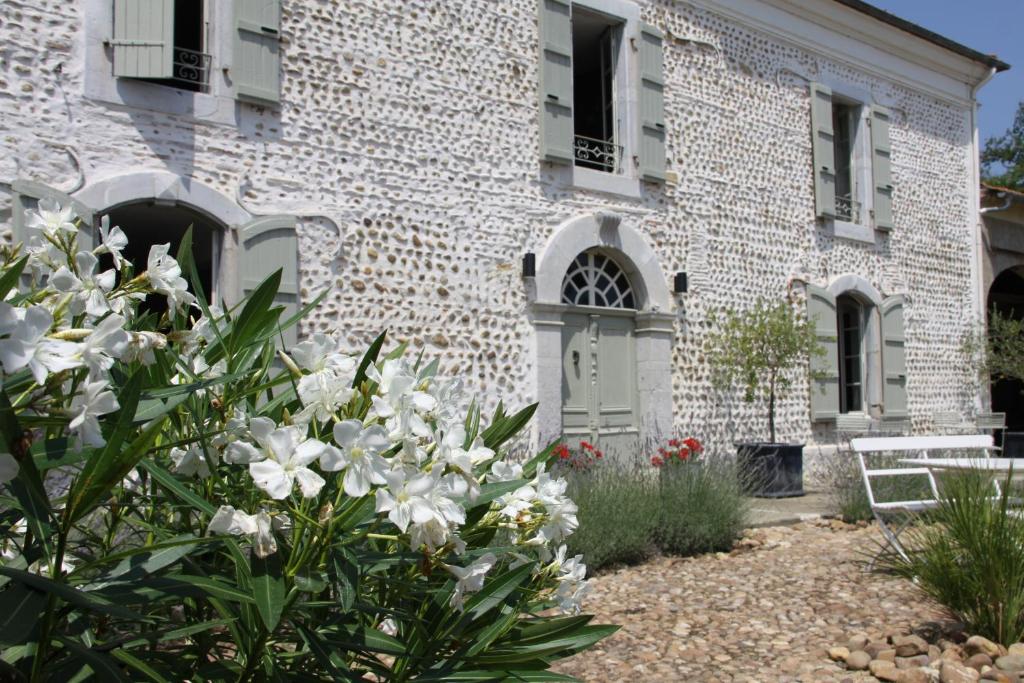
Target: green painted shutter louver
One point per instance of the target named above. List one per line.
(556, 124)
(881, 168)
(652, 104)
(256, 68)
(821, 311)
(143, 38)
(269, 244)
(616, 374)
(27, 194)
(823, 151)
(894, 361)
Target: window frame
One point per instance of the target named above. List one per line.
(845, 303)
(218, 105)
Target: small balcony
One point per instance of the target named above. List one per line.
(190, 70)
(601, 155)
(847, 209)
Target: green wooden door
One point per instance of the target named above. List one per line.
(599, 381)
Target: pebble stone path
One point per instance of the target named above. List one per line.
(767, 611)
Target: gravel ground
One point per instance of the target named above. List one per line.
(767, 611)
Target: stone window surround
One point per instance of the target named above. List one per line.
(216, 106)
(627, 182)
(168, 189)
(871, 349)
(861, 231)
(654, 320)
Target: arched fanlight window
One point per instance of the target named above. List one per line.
(593, 279)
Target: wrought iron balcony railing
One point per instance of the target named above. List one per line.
(847, 209)
(191, 68)
(600, 154)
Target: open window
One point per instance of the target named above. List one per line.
(162, 41)
(850, 332)
(595, 40)
(845, 120)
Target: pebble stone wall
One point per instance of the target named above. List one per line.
(414, 126)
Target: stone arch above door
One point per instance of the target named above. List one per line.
(654, 322)
(607, 231)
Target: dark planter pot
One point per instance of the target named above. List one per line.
(771, 470)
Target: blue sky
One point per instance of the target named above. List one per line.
(989, 26)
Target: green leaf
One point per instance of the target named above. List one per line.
(109, 464)
(494, 592)
(176, 488)
(503, 429)
(309, 581)
(146, 560)
(27, 487)
(54, 453)
(355, 637)
(345, 573)
(142, 667)
(9, 280)
(101, 664)
(156, 588)
(152, 408)
(254, 313)
(565, 646)
(70, 595)
(20, 608)
(548, 627)
(369, 358)
(268, 588)
(503, 676)
(490, 492)
(174, 633)
(321, 650)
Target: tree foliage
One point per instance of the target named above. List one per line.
(758, 349)
(1002, 160)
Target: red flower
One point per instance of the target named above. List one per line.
(694, 445)
(657, 462)
(586, 446)
(562, 451)
(598, 454)
(673, 442)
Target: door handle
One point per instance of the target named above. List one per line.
(576, 358)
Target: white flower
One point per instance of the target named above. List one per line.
(322, 352)
(406, 500)
(92, 400)
(228, 520)
(51, 219)
(572, 586)
(90, 289)
(28, 346)
(358, 453)
(8, 467)
(142, 345)
(561, 522)
(281, 461)
(470, 579)
(452, 452)
(504, 471)
(11, 318)
(43, 257)
(396, 382)
(514, 504)
(107, 341)
(112, 241)
(165, 277)
(322, 393)
(193, 462)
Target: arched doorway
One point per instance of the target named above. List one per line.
(148, 223)
(600, 292)
(599, 387)
(1006, 295)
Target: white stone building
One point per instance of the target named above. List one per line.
(413, 158)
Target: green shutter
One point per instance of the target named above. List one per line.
(894, 361)
(27, 194)
(556, 127)
(824, 153)
(256, 68)
(616, 372)
(576, 368)
(881, 168)
(269, 244)
(652, 104)
(143, 38)
(821, 311)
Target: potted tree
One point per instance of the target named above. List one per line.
(759, 350)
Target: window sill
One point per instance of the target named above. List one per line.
(607, 183)
(140, 94)
(855, 232)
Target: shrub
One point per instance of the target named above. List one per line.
(968, 555)
(176, 505)
(702, 507)
(845, 485)
(618, 513)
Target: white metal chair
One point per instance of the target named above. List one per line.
(891, 426)
(950, 422)
(894, 516)
(990, 422)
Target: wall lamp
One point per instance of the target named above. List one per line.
(679, 283)
(529, 264)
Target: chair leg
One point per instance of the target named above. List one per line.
(892, 538)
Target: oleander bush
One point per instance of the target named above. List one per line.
(181, 501)
(968, 555)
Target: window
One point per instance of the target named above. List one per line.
(593, 279)
(602, 89)
(171, 43)
(850, 314)
(594, 50)
(852, 167)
